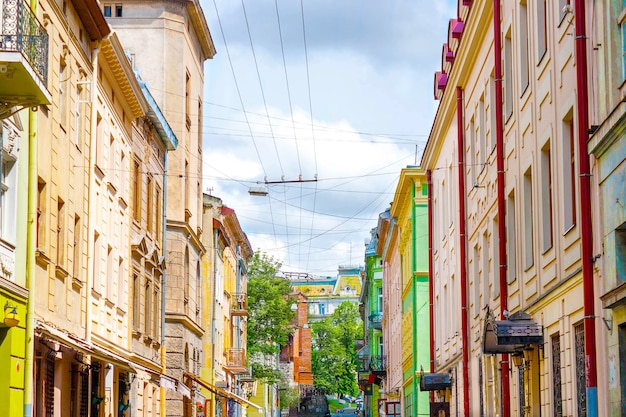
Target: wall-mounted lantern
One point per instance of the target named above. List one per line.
(11, 318)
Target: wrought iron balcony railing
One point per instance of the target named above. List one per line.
(239, 304)
(376, 320)
(378, 364)
(21, 32)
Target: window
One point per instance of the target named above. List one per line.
(542, 29)
(107, 11)
(99, 141)
(76, 248)
(622, 25)
(394, 409)
(620, 253)
(41, 214)
(482, 145)
(546, 196)
(564, 8)
(511, 238)
(188, 101)
(485, 271)
(186, 189)
(60, 232)
(121, 284)
(508, 76)
(186, 276)
(63, 92)
(96, 262)
(380, 300)
(136, 295)
(110, 278)
(137, 190)
(557, 393)
(322, 309)
(158, 213)
(149, 205)
(148, 305)
(496, 258)
(475, 272)
(523, 44)
(569, 172)
(472, 151)
(157, 308)
(118, 10)
(528, 218)
(492, 113)
(581, 381)
(198, 292)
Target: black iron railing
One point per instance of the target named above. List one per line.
(378, 363)
(21, 32)
(376, 319)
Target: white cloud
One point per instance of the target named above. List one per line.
(371, 65)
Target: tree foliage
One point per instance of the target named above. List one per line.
(269, 314)
(334, 356)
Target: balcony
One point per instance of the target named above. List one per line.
(376, 320)
(23, 59)
(236, 361)
(239, 305)
(378, 365)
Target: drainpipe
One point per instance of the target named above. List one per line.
(431, 278)
(163, 282)
(497, 54)
(214, 301)
(462, 248)
(413, 293)
(31, 246)
(586, 236)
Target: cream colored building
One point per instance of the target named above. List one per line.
(168, 43)
(226, 379)
(540, 210)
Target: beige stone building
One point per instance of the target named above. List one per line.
(509, 223)
(168, 43)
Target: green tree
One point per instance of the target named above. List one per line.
(334, 356)
(270, 315)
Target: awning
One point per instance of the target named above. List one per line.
(508, 336)
(222, 392)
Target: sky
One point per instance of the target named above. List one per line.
(322, 102)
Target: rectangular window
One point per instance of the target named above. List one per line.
(121, 284)
(187, 192)
(60, 232)
(148, 308)
(156, 323)
(581, 381)
(569, 172)
(137, 190)
(99, 141)
(496, 258)
(492, 113)
(557, 390)
(482, 145)
(149, 205)
(380, 300)
(523, 45)
(76, 248)
(107, 11)
(622, 24)
(110, 278)
(111, 161)
(118, 10)
(96, 262)
(542, 29)
(511, 238)
(472, 151)
(158, 213)
(475, 273)
(136, 295)
(42, 214)
(620, 254)
(529, 223)
(188, 101)
(508, 76)
(485, 270)
(64, 74)
(546, 196)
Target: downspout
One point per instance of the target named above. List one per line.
(497, 54)
(164, 281)
(413, 295)
(585, 207)
(462, 248)
(431, 278)
(214, 324)
(31, 246)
